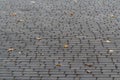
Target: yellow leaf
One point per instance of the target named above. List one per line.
(58, 65)
(65, 45)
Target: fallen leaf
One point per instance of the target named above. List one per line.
(10, 49)
(72, 13)
(38, 38)
(65, 45)
(32, 2)
(111, 51)
(108, 41)
(113, 16)
(20, 20)
(75, 1)
(13, 14)
(89, 65)
(88, 71)
(58, 65)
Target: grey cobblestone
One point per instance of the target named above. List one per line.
(34, 35)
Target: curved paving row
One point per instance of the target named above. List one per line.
(59, 40)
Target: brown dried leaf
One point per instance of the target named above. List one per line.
(65, 45)
(89, 65)
(72, 13)
(58, 65)
(13, 14)
(10, 49)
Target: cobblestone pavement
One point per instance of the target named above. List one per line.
(60, 40)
